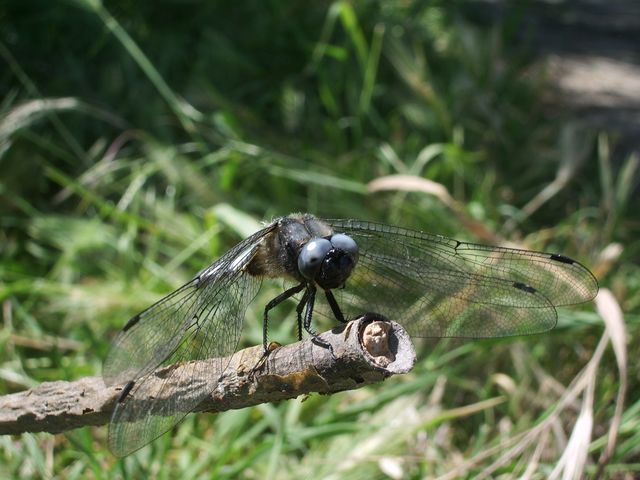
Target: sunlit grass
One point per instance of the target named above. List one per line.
(158, 141)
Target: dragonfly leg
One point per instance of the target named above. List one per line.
(273, 303)
(335, 308)
(299, 309)
(311, 300)
(308, 314)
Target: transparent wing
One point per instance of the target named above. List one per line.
(201, 320)
(440, 287)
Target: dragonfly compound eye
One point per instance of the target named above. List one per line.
(345, 243)
(311, 257)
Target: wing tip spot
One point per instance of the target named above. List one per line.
(562, 259)
(524, 287)
(125, 391)
(132, 321)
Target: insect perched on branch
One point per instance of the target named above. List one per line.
(434, 286)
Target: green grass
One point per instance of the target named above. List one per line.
(140, 140)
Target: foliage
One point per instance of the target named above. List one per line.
(140, 140)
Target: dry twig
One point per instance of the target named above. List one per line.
(365, 351)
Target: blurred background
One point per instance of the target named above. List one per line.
(141, 140)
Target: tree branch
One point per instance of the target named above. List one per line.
(364, 351)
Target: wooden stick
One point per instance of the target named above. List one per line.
(364, 351)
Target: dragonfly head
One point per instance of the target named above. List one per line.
(328, 261)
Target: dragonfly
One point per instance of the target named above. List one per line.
(433, 285)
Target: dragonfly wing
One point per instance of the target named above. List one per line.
(440, 287)
(201, 320)
(150, 408)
